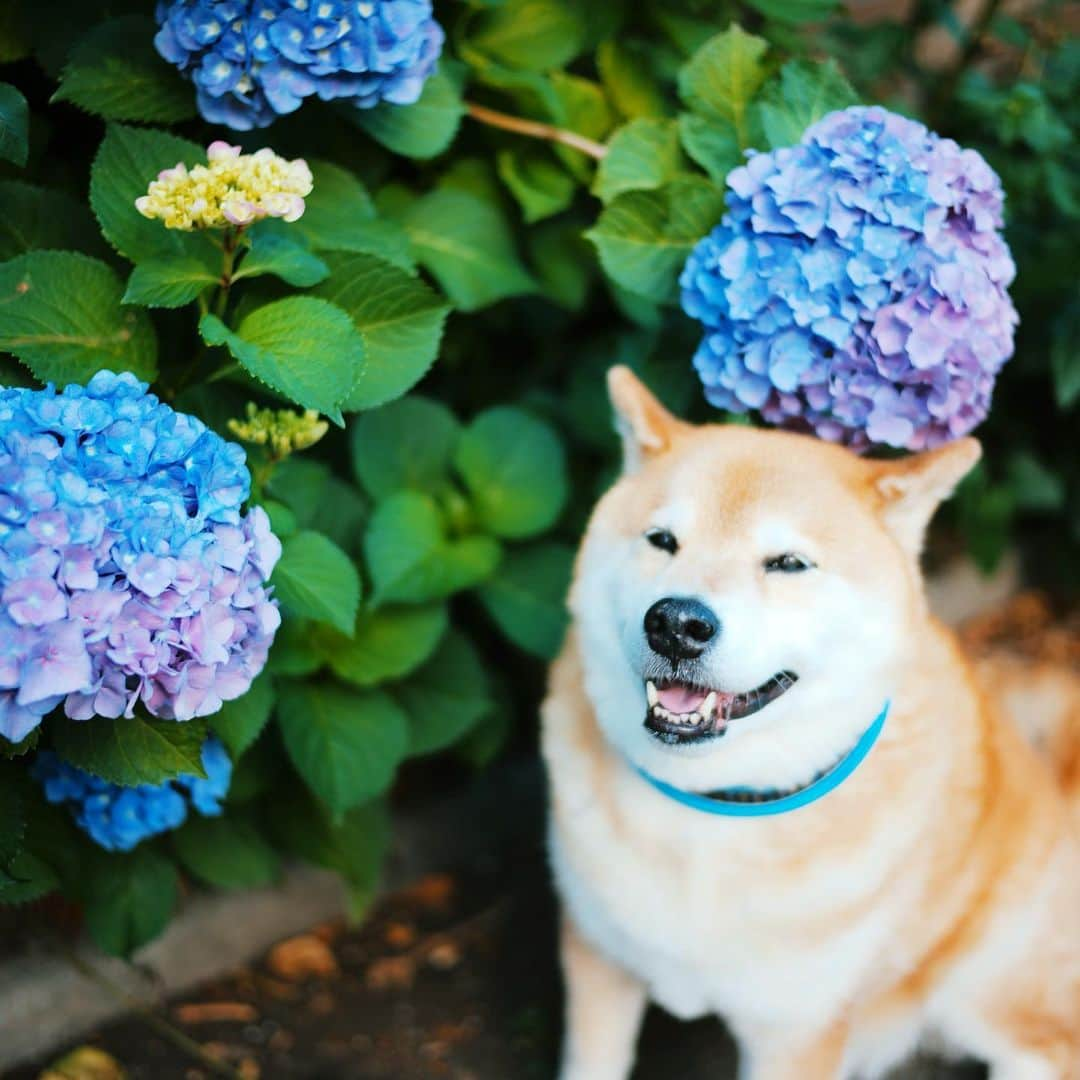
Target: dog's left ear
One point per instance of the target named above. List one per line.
(912, 488)
(646, 427)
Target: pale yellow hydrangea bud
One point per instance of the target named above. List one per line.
(283, 430)
(231, 189)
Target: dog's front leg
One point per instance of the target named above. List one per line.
(604, 1006)
(775, 1055)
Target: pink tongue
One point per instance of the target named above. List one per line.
(681, 699)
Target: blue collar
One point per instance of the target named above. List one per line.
(751, 802)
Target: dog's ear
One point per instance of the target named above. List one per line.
(646, 427)
(912, 488)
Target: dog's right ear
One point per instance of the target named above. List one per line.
(646, 427)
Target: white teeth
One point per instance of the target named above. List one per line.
(651, 694)
(709, 705)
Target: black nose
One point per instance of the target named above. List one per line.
(680, 628)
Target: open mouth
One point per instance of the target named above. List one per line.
(682, 712)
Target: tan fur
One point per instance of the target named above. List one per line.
(982, 833)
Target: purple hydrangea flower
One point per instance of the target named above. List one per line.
(127, 572)
(252, 60)
(117, 818)
(856, 287)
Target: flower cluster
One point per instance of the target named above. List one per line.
(283, 430)
(117, 818)
(252, 60)
(232, 189)
(127, 572)
(856, 286)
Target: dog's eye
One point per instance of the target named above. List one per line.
(662, 539)
(787, 563)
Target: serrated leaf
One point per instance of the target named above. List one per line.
(127, 160)
(293, 653)
(37, 217)
(307, 349)
(116, 72)
(387, 644)
(60, 314)
(795, 12)
(628, 81)
(468, 246)
(342, 515)
(399, 318)
(406, 444)
(274, 253)
(514, 468)
(410, 559)
(582, 107)
(425, 128)
(534, 35)
(712, 142)
(346, 744)
(805, 92)
(644, 237)
(226, 853)
(14, 125)
(722, 77)
(446, 696)
(301, 484)
(315, 579)
(171, 282)
(239, 722)
(132, 751)
(540, 186)
(642, 155)
(129, 900)
(526, 597)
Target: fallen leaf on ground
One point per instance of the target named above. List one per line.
(213, 1012)
(391, 973)
(85, 1063)
(301, 958)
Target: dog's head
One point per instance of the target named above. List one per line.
(746, 599)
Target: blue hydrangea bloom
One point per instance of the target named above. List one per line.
(127, 572)
(856, 286)
(252, 60)
(117, 818)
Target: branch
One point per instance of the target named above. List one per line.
(535, 130)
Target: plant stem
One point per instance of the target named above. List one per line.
(228, 259)
(535, 130)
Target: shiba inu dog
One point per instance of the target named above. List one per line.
(777, 792)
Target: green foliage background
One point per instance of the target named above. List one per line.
(428, 537)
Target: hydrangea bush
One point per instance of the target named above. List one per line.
(317, 336)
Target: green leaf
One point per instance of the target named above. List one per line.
(1065, 356)
(425, 128)
(127, 160)
(628, 81)
(132, 751)
(806, 91)
(399, 318)
(712, 142)
(274, 253)
(27, 878)
(795, 12)
(342, 515)
(12, 817)
(539, 184)
(346, 744)
(644, 237)
(1035, 487)
(535, 35)
(301, 484)
(514, 468)
(410, 559)
(60, 314)
(406, 444)
(582, 107)
(723, 76)
(293, 653)
(14, 125)
(642, 155)
(526, 597)
(226, 853)
(307, 349)
(130, 899)
(564, 261)
(387, 644)
(315, 579)
(240, 721)
(116, 72)
(171, 282)
(468, 246)
(36, 217)
(446, 697)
